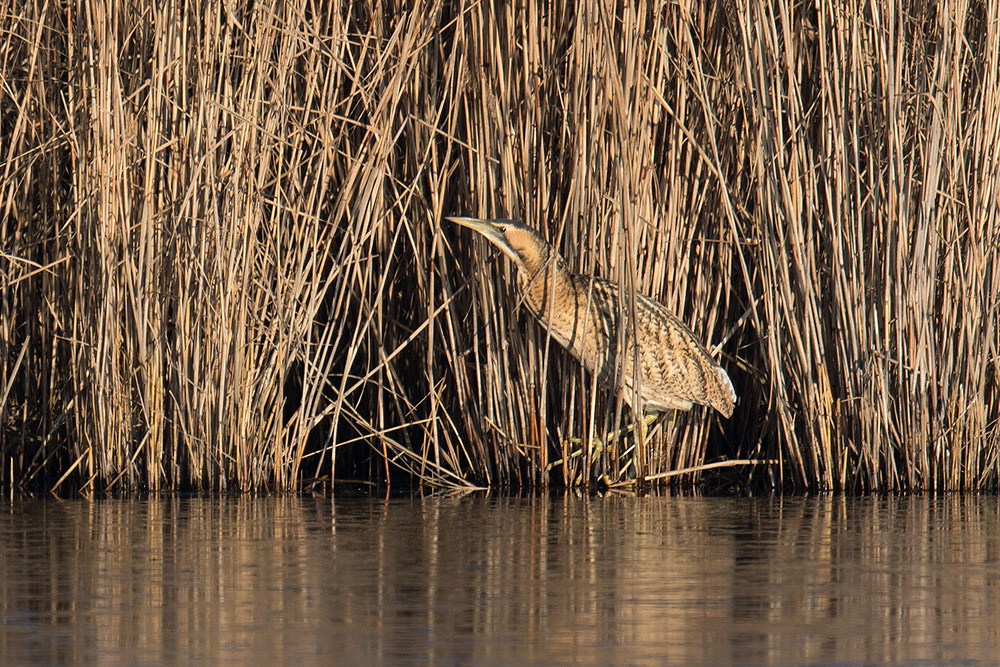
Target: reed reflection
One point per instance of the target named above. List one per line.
(569, 579)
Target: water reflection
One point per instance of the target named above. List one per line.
(600, 580)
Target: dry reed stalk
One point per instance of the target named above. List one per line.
(222, 263)
(882, 351)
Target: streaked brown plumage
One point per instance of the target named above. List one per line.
(677, 370)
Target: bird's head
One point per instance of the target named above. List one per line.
(520, 243)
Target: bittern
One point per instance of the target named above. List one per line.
(582, 314)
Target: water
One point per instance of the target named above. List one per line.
(564, 580)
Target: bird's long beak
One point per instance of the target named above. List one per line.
(491, 232)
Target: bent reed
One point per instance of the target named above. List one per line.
(224, 262)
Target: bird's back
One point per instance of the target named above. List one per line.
(676, 369)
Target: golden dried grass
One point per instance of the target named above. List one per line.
(223, 264)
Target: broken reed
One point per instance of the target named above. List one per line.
(223, 263)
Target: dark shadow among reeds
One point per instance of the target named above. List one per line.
(223, 262)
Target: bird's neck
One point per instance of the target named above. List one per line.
(543, 282)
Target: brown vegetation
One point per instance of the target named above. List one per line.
(224, 264)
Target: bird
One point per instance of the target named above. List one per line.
(582, 314)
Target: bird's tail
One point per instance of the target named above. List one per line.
(725, 399)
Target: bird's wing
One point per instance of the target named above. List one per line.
(676, 369)
(676, 364)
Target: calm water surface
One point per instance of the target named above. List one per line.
(495, 580)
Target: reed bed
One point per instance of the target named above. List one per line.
(223, 262)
